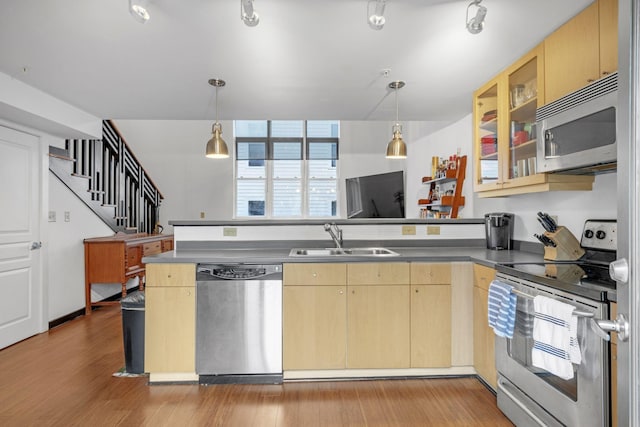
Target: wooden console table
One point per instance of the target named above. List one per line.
(118, 258)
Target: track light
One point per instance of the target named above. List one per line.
(216, 147)
(139, 10)
(376, 19)
(476, 24)
(397, 149)
(247, 14)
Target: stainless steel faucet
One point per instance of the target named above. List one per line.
(335, 232)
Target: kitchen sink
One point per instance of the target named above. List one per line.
(320, 252)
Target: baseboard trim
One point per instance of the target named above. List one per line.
(60, 320)
(377, 373)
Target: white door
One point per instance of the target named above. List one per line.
(21, 306)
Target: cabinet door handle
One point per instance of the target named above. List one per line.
(417, 291)
(341, 292)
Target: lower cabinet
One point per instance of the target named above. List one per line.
(315, 327)
(367, 316)
(430, 326)
(430, 315)
(483, 336)
(170, 320)
(378, 315)
(314, 316)
(378, 326)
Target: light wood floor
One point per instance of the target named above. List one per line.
(64, 378)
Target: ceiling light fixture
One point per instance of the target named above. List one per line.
(376, 19)
(247, 14)
(139, 10)
(216, 147)
(476, 24)
(397, 149)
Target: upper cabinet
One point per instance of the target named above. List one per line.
(504, 112)
(582, 50)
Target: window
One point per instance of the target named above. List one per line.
(286, 168)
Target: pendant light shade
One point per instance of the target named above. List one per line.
(216, 147)
(397, 149)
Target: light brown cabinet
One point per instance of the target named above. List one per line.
(483, 335)
(430, 315)
(378, 316)
(504, 133)
(582, 50)
(170, 332)
(368, 316)
(314, 316)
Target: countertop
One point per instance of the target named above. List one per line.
(281, 255)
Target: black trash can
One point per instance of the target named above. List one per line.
(133, 332)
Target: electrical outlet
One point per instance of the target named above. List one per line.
(52, 216)
(230, 231)
(201, 215)
(408, 230)
(433, 230)
(67, 216)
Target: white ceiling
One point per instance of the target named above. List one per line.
(307, 59)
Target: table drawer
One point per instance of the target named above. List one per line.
(152, 248)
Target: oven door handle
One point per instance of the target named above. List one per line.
(620, 325)
(503, 388)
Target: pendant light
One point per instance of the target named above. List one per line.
(397, 149)
(216, 147)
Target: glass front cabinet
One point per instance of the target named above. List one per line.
(504, 111)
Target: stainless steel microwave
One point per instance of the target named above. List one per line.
(577, 133)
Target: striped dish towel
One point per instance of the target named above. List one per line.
(502, 308)
(555, 335)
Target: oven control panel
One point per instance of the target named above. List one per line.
(600, 235)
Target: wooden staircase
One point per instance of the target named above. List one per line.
(108, 178)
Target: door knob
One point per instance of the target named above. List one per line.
(36, 245)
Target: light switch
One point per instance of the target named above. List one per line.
(67, 216)
(52, 216)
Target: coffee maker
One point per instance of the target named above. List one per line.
(499, 230)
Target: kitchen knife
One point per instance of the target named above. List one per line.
(539, 237)
(544, 224)
(549, 241)
(551, 222)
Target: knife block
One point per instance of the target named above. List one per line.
(567, 246)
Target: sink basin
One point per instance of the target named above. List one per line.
(320, 252)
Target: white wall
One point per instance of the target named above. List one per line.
(571, 207)
(442, 143)
(66, 251)
(172, 152)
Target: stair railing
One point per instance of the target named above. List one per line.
(116, 180)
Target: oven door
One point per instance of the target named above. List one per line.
(530, 395)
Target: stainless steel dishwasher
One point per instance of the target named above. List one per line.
(239, 323)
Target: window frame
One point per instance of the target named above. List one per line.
(269, 178)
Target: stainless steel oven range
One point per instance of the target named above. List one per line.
(531, 396)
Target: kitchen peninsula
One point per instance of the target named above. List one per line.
(420, 302)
